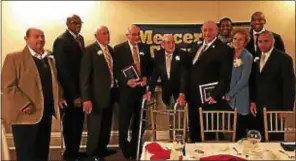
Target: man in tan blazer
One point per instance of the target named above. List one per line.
(31, 95)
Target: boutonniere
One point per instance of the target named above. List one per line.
(141, 53)
(50, 56)
(177, 58)
(100, 52)
(213, 46)
(237, 62)
(256, 59)
(199, 42)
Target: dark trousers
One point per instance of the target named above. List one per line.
(257, 123)
(72, 120)
(99, 125)
(242, 126)
(129, 113)
(194, 123)
(32, 141)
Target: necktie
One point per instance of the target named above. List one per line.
(256, 42)
(168, 64)
(109, 63)
(199, 52)
(136, 60)
(262, 61)
(79, 41)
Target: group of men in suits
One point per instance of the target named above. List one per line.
(90, 78)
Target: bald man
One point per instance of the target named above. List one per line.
(170, 67)
(68, 49)
(127, 54)
(98, 93)
(31, 96)
(257, 22)
(211, 62)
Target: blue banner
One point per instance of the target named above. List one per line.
(184, 34)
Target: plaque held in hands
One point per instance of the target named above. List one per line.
(206, 91)
(130, 72)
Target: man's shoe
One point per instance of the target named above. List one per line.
(92, 158)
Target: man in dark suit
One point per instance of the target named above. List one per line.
(67, 50)
(211, 62)
(257, 26)
(127, 54)
(98, 94)
(274, 84)
(169, 65)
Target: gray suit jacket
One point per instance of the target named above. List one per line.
(239, 86)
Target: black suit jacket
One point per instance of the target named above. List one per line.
(177, 82)
(275, 84)
(68, 55)
(95, 78)
(123, 58)
(215, 64)
(279, 44)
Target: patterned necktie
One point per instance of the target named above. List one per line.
(136, 60)
(109, 63)
(262, 61)
(199, 52)
(79, 41)
(168, 64)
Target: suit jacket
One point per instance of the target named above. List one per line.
(123, 58)
(275, 84)
(239, 85)
(68, 56)
(279, 44)
(21, 86)
(215, 64)
(95, 78)
(177, 82)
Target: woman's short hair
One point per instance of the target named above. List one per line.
(241, 31)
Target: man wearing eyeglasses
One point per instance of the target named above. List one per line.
(68, 49)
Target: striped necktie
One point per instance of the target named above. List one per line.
(109, 63)
(136, 59)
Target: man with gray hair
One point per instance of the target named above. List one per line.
(131, 54)
(211, 63)
(97, 85)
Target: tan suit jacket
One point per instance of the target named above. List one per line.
(21, 86)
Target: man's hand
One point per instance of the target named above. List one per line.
(212, 101)
(62, 103)
(253, 109)
(87, 107)
(147, 96)
(181, 99)
(143, 82)
(28, 109)
(132, 83)
(283, 116)
(77, 102)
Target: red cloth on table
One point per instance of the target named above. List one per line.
(158, 153)
(221, 157)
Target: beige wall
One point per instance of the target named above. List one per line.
(117, 15)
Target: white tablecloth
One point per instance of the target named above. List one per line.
(260, 151)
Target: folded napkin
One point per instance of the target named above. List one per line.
(158, 153)
(222, 157)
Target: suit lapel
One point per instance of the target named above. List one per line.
(173, 62)
(208, 52)
(268, 63)
(31, 66)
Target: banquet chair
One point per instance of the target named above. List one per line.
(179, 125)
(217, 121)
(273, 124)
